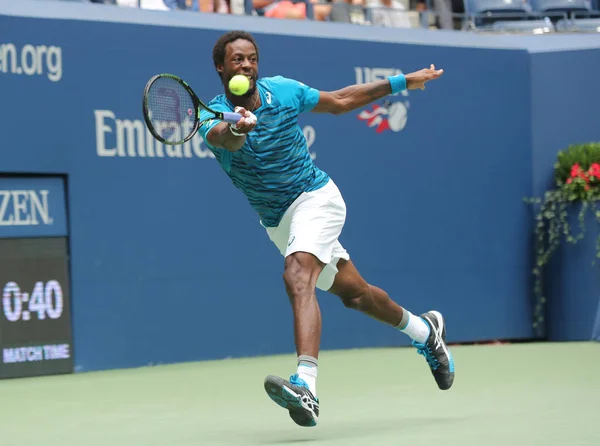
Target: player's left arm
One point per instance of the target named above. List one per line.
(357, 96)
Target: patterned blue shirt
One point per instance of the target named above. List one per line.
(274, 166)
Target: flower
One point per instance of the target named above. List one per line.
(577, 180)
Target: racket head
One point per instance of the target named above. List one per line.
(171, 109)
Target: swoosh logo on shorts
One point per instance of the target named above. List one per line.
(291, 240)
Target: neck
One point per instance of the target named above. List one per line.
(249, 103)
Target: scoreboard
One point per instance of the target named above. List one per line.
(35, 313)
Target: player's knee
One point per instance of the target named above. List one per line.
(299, 277)
(357, 299)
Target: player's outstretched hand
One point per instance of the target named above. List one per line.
(247, 123)
(418, 79)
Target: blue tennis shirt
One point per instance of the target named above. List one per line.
(274, 166)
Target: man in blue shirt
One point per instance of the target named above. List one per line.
(303, 212)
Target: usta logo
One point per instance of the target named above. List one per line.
(392, 112)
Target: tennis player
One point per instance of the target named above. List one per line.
(265, 155)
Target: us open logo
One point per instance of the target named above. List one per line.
(390, 113)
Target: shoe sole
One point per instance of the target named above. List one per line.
(287, 398)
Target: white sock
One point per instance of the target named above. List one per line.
(307, 371)
(309, 375)
(414, 326)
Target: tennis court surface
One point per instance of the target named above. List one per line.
(520, 394)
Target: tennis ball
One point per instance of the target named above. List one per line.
(239, 84)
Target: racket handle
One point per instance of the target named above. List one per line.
(231, 117)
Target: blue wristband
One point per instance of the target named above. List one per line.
(398, 83)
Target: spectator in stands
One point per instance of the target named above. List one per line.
(443, 12)
(144, 4)
(290, 9)
(348, 11)
(191, 5)
(390, 13)
(216, 6)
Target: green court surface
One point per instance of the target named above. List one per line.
(522, 394)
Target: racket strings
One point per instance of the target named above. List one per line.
(171, 110)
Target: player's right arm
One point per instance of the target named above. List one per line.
(231, 137)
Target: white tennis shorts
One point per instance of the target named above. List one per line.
(313, 223)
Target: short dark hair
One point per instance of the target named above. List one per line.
(219, 48)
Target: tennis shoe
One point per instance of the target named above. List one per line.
(294, 396)
(436, 351)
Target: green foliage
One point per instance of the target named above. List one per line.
(583, 154)
(577, 178)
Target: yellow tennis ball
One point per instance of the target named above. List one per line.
(239, 84)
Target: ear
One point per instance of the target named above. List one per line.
(220, 68)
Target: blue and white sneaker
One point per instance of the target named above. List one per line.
(436, 351)
(294, 396)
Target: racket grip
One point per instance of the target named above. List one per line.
(231, 117)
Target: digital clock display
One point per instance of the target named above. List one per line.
(35, 321)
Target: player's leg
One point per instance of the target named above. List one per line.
(304, 236)
(317, 219)
(356, 293)
(300, 275)
(298, 395)
(428, 331)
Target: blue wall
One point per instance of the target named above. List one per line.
(564, 107)
(168, 261)
(566, 112)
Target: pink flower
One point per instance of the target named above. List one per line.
(594, 170)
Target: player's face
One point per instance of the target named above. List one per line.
(240, 58)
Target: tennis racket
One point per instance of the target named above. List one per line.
(172, 110)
